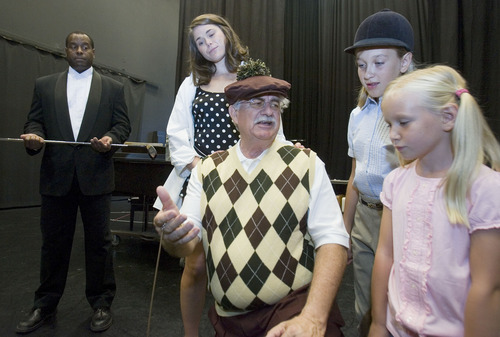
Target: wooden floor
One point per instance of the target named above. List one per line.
(135, 261)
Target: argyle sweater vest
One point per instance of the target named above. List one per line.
(255, 235)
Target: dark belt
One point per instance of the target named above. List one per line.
(373, 205)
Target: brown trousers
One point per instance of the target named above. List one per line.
(257, 323)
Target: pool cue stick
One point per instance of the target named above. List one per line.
(154, 285)
(150, 148)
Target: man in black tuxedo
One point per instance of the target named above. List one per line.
(76, 105)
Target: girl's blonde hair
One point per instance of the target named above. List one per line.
(473, 142)
(363, 94)
(203, 69)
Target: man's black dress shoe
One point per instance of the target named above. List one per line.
(101, 320)
(33, 321)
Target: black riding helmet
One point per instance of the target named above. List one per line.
(383, 29)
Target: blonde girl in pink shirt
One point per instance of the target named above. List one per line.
(437, 266)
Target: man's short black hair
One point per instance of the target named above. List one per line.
(80, 33)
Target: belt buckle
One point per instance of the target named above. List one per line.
(372, 205)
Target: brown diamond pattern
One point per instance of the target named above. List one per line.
(286, 182)
(219, 157)
(226, 272)
(209, 223)
(257, 227)
(235, 186)
(285, 268)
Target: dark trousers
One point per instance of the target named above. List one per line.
(58, 220)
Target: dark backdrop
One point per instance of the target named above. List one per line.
(303, 43)
(301, 40)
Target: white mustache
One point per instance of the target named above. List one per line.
(265, 119)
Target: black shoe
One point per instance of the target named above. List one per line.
(33, 321)
(101, 320)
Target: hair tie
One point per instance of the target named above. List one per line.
(459, 92)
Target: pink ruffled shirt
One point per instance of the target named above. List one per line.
(430, 277)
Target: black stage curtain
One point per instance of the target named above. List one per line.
(20, 65)
(303, 43)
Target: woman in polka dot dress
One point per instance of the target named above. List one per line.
(199, 125)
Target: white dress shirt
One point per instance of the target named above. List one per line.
(78, 88)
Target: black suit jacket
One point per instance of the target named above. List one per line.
(105, 115)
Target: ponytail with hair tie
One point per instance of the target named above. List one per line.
(459, 92)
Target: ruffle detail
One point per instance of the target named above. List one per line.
(416, 257)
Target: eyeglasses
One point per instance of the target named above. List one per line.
(259, 104)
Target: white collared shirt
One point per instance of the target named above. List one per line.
(249, 164)
(78, 88)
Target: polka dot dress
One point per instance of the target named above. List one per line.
(213, 128)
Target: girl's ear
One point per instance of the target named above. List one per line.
(449, 116)
(405, 62)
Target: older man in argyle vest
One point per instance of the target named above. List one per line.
(271, 227)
